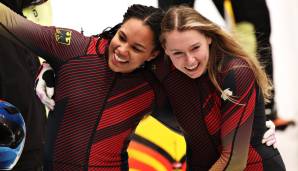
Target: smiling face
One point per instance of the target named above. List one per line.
(188, 51)
(131, 46)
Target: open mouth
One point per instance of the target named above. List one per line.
(192, 68)
(119, 59)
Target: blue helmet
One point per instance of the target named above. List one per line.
(13, 133)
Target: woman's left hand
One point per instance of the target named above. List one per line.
(269, 136)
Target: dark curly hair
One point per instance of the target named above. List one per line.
(151, 16)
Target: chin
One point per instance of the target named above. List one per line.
(118, 69)
(194, 76)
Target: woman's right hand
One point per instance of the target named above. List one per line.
(44, 85)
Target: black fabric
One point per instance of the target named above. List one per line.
(52, 128)
(201, 151)
(160, 68)
(17, 72)
(275, 164)
(162, 109)
(49, 77)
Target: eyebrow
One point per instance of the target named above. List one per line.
(196, 44)
(193, 45)
(139, 45)
(175, 50)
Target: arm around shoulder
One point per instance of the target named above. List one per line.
(237, 119)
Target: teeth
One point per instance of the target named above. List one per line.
(120, 59)
(191, 67)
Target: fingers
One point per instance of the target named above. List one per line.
(270, 124)
(45, 85)
(49, 103)
(40, 89)
(268, 133)
(50, 92)
(45, 94)
(269, 137)
(271, 130)
(271, 142)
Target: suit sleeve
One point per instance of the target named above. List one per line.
(236, 119)
(165, 115)
(162, 110)
(51, 43)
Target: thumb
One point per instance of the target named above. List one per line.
(50, 92)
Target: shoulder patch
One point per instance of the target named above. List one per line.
(63, 36)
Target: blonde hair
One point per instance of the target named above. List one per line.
(182, 18)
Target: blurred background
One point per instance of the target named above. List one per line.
(92, 17)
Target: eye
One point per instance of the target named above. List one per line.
(178, 54)
(136, 49)
(195, 48)
(121, 37)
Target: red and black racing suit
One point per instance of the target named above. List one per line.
(220, 134)
(96, 109)
(93, 117)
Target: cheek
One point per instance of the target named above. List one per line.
(203, 56)
(206, 57)
(177, 63)
(137, 59)
(111, 45)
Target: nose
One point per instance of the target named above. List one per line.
(123, 49)
(190, 59)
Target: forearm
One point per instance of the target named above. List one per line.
(235, 147)
(236, 119)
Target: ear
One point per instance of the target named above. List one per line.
(153, 55)
(209, 40)
(167, 52)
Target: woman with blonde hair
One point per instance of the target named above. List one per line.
(225, 90)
